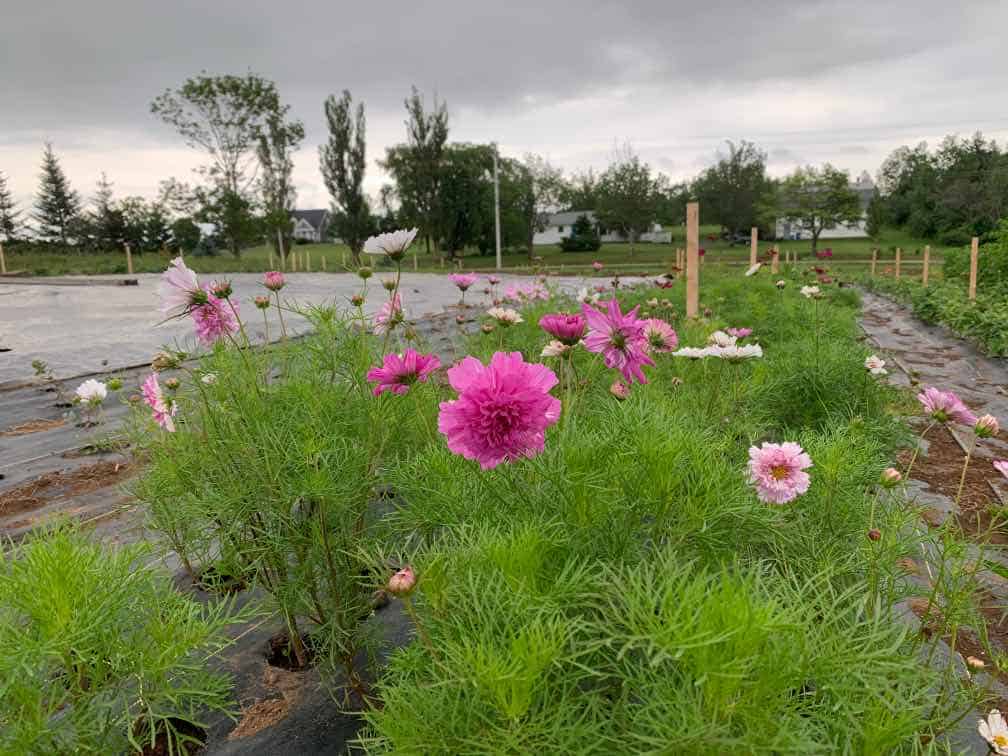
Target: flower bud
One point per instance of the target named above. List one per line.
(890, 477)
(274, 280)
(357, 300)
(986, 426)
(874, 534)
(221, 289)
(262, 302)
(975, 663)
(364, 272)
(460, 319)
(165, 361)
(487, 328)
(172, 384)
(402, 582)
(389, 284)
(114, 384)
(409, 333)
(620, 390)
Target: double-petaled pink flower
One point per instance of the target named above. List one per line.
(162, 409)
(463, 280)
(274, 280)
(215, 319)
(568, 329)
(778, 471)
(179, 290)
(619, 338)
(944, 406)
(502, 411)
(389, 315)
(660, 336)
(399, 372)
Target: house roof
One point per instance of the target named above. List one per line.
(315, 217)
(568, 218)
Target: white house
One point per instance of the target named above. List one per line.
(310, 225)
(865, 188)
(559, 225)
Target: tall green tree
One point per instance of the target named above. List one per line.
(580, 192)
(10, 216)
(875, 216)
(466, 197)
(105, 219)
(735, 190)
(627, 198)
(57, 205)
(278, 140)
(343, 161)
(818, 198)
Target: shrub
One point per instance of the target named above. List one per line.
(584, 237)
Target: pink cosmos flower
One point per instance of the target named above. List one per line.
(660, 336)
(739, 333)
(179, 290)
(945, 405)
(1001, 465)
(214, 320)
(463, 280)
(493, 280)
(399, 372)
(778, 471)
(502, 411)
(619, 338)
(274, 280)
(568, 329)
(597, 266)
(162, 410)
(389, 315)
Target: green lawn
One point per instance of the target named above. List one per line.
(616, 257)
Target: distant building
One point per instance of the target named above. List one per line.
(310, 225)
(865, 188)
(558, 225)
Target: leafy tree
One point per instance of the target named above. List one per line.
(733, 191)
(56, 205)
(545, 195)
(465, 197)
(231, 215)
(417, 167)
(627, 198)
(671, 201)
(105, 219)
(277, 141)
(875, 216)
(185, 235)
(10, 215)
(818, 198)
(343, 161)
(157, 229)
(581, 191)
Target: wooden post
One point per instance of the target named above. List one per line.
(129, 258)
(692, 259)
(307, 261)
(3, 261)
(899, 256)
(927, 264)
(974, 254)
(753, 244)
(874, 259)
(416, 264)
(323, 263)
(774, 259)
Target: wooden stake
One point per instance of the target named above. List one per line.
(874, 259)
(3, 261)
(899, 255)
(129, 259)
(974, 254)
(774, 260)
(692, 259)
(927, 264)
(323, 263)
(308, 261)
(753, 243)
(416, 264)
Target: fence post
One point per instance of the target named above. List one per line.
(899, 257)
(974, 253)
(753, 234)
(874, 259)
(3, 261)
(692, 259)
(323, 263)
(308, 260)
(774, 259)
(927, 264)
(129, 258)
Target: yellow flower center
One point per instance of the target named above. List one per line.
(779, 472)
(1000, 740)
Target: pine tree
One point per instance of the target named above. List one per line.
(57, 205)
(10, 216)
(106, 226)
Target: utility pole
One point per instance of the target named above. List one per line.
(496, 179)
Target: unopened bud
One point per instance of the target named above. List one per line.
(620, 390)
(891, 476)
(221, 289)
(164, 361)
(975, 663)
(364, 272)
(487, 328)
(357, 300)
(389, 284)
(402, 582)
(114, 384)
(874, 534)
(172, 384)
(262, 302)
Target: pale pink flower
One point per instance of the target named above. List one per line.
(402, 582)
(875, 365)
(619, 338)
(463, 280)
(502, 411)
(555, 349)
(660, 336)
(619, 389)
(274, 280)
(739, 333)
(597, 266)
(92, 392)
(214, 320)
(389, 315)
(493, 280)
(891, 476)
(944, 406)
(986, 426)
(505, 316)
(566, 328)
(162, 409)
(393, 244)
(1001, 465)
(399, 372)
(778, 471)
(179, 290)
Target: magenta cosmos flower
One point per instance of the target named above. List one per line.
(660, 336)
(568, 329)
(502, 411)
(463, 280)
(945, 405)
(619, 338)
(179, 290)
(778, 471)
(274, 280)
(162, 409)
(214, 320)
(399, 372)
(389, 315)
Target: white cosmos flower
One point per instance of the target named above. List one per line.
(505, 315)
(692, 353)
(555, 349)
(722, 339)
(995, 732)
(735, 353)
(584, 295)
(754, 269)
(875, 365)
(781, 284)
(811, 292)
(394, 243)
(92, 391)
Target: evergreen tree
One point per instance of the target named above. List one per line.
(10, 216)
(57, 205)
(106, 220)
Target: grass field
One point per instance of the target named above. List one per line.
(336, 257)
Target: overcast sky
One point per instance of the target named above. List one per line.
(809, 82)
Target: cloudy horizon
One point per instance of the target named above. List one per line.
(808, 83)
